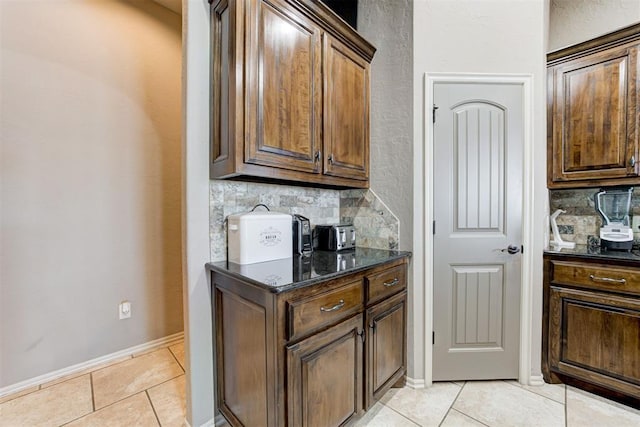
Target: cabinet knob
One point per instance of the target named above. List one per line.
(632, 161)
(316, 158)
(330, 158)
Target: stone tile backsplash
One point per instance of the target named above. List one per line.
(581, 223)
(376, 227)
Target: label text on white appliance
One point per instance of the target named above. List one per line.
(270, 237)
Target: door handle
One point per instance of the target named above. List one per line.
(511, 249)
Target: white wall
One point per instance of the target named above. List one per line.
(490, 36)
(90, 179)
(575, 21)
(195, 225)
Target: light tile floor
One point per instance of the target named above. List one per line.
(145, 389)
(148, 389)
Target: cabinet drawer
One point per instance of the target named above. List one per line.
(312, 313)
(385, 283)
(597, 276)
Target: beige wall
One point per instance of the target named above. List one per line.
(489, 36)
(90, 175)
(575, 21)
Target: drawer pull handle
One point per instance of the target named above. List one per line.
(607, 279)
(391, 283)
(338, 306)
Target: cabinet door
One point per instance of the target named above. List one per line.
(346, 111)
(595, 337)
(386, 356)
(227, 32)
(324, 376)
(283, 84)
(594, 116)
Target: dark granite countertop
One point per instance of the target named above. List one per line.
(300, 271)
(594, 252)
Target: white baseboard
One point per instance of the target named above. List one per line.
(159, 343)
(536, 380)
(415, 383)
(210, 423)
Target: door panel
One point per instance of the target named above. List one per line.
(477, 307)
(478, 138)
(478, 155)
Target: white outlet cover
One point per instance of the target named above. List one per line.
(124, 310)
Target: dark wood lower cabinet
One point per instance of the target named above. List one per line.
(317, 355)
(386, 360)
(591, 330)
(325, 376)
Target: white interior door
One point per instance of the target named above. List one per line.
(478, 182)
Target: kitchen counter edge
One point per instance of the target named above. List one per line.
(595, 254)
(392, 256)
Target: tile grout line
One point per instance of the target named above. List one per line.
(93, 396)
(153, 408)
(533, 392)
(17, 394)
(139, 391)
(152, 350)
(165, 381)
(104, 407)
(566, 417)
(93, 404)
(469, 416)
(176, 359)
(401, 414)
(398, 412)
(452, 403)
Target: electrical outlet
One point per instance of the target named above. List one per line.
(124, 310)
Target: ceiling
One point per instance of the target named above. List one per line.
(174, 5)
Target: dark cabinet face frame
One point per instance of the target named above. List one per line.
(317, 355)
(289, 94)
(591, 326)
(593, 111)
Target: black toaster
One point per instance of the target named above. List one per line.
(302, 244)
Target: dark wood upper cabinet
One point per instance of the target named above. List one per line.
(346, 115)
(593, 112)
(290, 94)
(283, 87)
